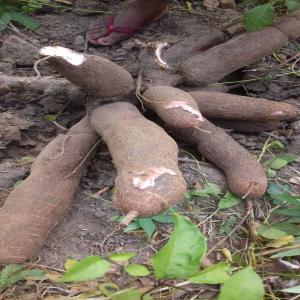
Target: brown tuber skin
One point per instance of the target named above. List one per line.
(246, 178)
(146, 159)
(174, 106)
(35, 207)
(219, 61)
(96, 75)
(215, 105)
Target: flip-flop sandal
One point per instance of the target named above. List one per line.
(108, 23)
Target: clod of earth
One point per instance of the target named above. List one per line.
(174, 106)
(146, 159)
(98, 76)
(214, 105)
(36, 206)
(219, 61)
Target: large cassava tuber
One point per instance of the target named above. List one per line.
(246, 178)
(96, 75)
(148, 179)
(173, 106)
(215, 105)
(219, 61)
(37, 205)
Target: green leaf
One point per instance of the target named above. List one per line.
(229, 200)
(209, 189)
(245, 284)
(148, 226)
(214, 274)
(271, 173)
(277, 145)
(269, 232)
(132, 226)
(89, 268)
(295, 200)
(289, 228)
(108, 288)
(24, 20)
(129, 294)
(274, 188)
(292, 212)
(13, 273)
(163, 218)
(122, 256)
(137, 270)
(291, 4)
(227, 225)
(288, 253)
(280, 161)
(49, 118)
(259, 17)
(295, 220)
(181, 256)
(5, 18)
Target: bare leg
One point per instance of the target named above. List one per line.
(137, 14)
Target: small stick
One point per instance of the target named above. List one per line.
(273, 251)
(35, 67)
(248, 211)
(66, 138)
(249, 191)
(84, 159)
(129, 218)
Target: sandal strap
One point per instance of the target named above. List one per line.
(110, 27)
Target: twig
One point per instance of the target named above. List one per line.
(35, 67)
(84, 159)
(273, 251)
(66, 138)
(59, 126)
(249, 191)
(248, 211)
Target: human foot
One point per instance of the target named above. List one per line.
(111, 30)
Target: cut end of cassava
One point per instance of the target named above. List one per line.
(174, 106)
(76, 59)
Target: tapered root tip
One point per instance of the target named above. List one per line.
(129, 218)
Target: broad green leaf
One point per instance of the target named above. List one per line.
(259, 17)
(277, 145)
(163, 218)
(13, 273)
(5, 18)
(229, 200)
(49, 118)
(148, 226)
(295, 200)
(291, 4)
(286, 240)
(25, 20)
(295, 220)
(274, 188)
(280, 161)
(288, 253)
(70, 263)
(132, 226)
(121, 256)
(271, 173)
(137, 270)
(292, 290)
(181, 256)
(214, 274)
(289, 228)
(243, 285)
(89, 268)
(292, 212)
(108, 288)
(209, 189)
(25, 160)
(269, 232)
(129, 294)
(227, 225)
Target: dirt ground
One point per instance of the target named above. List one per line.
(88, 228)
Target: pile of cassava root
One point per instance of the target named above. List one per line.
(145, 156)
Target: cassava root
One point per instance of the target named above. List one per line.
(145, 157)
(35, 207)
